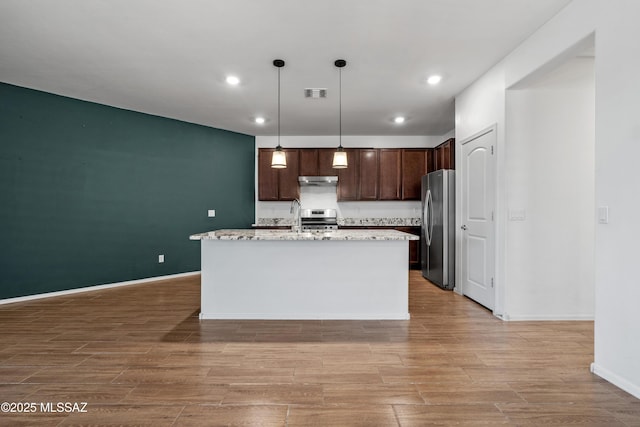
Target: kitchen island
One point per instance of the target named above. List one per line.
(281, 274)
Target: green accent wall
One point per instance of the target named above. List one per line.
(92, 194)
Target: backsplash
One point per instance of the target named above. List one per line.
(274, 222)
(370, 212)
(354, 222)
(380, 222)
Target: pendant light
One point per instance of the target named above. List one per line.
(340, 156)
(279, 157)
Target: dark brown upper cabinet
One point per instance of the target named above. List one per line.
(445, 153)
(288, 187)
(390, 173)
(325, 162)
(267, 176)
(348, 179)
(317, 162)
(415, 164)
(308, 162)
(368, 174)
(372, 174)
(278, 184)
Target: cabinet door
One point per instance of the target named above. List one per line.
(449, 154)
(325, 162)
(368, 177)
(390, 176)
(348, 178)
(438, 160)
(267, 176)
(414, 246)
(288, 187)
(431, 159)
(445, 155)
(414, 166)
(308, 162)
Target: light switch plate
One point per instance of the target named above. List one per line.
(603, 214)
(517, 214)
(211, 213)
(160, 259)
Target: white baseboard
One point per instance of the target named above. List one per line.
(616, 380)
(304, 316)
(95, 288)
(547, 317)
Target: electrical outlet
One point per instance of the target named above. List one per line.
(160, 259)
(211, 213)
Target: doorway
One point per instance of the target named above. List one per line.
(549, 190)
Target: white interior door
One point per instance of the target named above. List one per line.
(477, 215)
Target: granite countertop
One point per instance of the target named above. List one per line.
(350, 222)
(252, 234)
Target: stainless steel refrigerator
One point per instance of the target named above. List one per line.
(438, 228)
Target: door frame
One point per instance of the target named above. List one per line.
(460, 171)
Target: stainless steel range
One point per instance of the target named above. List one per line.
(319, 220)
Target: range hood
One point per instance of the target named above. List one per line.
(318, 180)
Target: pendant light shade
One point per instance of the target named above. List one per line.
(340, 156)
(279, 157)
(340, 159)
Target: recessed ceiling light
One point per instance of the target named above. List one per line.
(399, 120)
(259, 120)
(434, 80)
(232, 80)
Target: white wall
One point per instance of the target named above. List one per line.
(479, 107)
(617, 343)
(326, 197)
(617, 148)
(550, 195)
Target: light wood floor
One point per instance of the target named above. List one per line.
(139, 355)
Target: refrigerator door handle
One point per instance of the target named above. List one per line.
(429, 212)
(425, 224)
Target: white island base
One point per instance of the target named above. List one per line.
(283, 277)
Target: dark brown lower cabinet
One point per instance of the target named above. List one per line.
(414, 246)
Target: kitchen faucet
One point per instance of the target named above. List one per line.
(296, 206)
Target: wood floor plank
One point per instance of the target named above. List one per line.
(274, 394)
(364, 394)
(125, 415)
(342, 415)
(218, 416)
(472, 414)
(139, 355)
(559, 414)
(420, 374)
(173, 394)
(435, 393)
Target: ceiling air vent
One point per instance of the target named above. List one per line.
(315, 92)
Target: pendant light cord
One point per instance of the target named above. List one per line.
(278, 106)
(340, 107)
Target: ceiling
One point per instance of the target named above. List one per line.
(170, 58)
